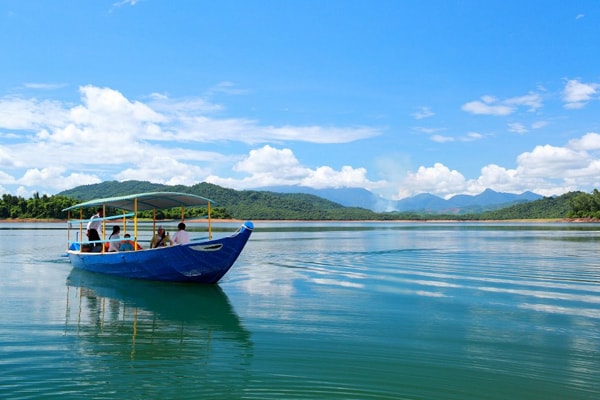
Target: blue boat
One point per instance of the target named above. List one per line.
(202, 261)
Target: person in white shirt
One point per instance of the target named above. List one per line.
(181, 236)
(93, 227)
(93, 232)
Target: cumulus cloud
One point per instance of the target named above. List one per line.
(588, 142)
(30, 114)
(270, 166)
(109, 136)
(271, 162)
(6, 178)
(439, 180)
(547, 160)
(577, 94)
(347, 176)
(55, 177)
(547, 170)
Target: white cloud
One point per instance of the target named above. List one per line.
(108, 136)
(55, 177)
(164, 168)
(547, 170)
(487, 108)
(428, 131)
(6, 178)
(7, 158)
(489, 105)
(327, 177)
(45, 86)
(471, 136)
(577, 94)
(551, 161)
(539, 124)
(269, 161)
(269, 166)
(517, 127)
(439, 180)
(493, 175)
(318, 134)
(588, 142)
(28, 114)
(423, 112)
(122, 3)
(442, 138)
(531, 100)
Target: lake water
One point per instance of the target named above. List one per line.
(314, 311)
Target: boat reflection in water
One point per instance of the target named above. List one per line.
(135, 320)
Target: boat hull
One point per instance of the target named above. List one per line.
(201, 262)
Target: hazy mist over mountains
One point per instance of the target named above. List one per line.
(355, 197)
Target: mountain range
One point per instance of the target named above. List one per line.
(487, 200)
(268, 200)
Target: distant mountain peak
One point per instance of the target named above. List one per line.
(487, 200)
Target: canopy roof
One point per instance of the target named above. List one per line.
(147, 201)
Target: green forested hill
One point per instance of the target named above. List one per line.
(546, 208)
(245, 204)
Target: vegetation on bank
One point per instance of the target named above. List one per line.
(260, 205)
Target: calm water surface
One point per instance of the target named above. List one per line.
(314, 310)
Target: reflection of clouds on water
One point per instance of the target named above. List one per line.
(262, 283)
(336, 282)
(575, 311)
(545, 294)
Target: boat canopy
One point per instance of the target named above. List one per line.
(147, 201)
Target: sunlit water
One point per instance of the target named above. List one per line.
(314, 310)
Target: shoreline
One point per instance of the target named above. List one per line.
(520, 220)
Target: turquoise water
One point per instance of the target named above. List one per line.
(315, 310)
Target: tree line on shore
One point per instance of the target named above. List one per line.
(50, 208)
(259, 205)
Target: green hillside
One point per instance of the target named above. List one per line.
(546, 208)
(245, 204)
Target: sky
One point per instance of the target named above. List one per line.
(397, 97)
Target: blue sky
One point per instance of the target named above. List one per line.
(398, 97)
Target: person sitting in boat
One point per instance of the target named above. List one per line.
(161, 239)
(93, 232)
(113, 246)
(127, 244)
(181, 236)
(93, 227)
